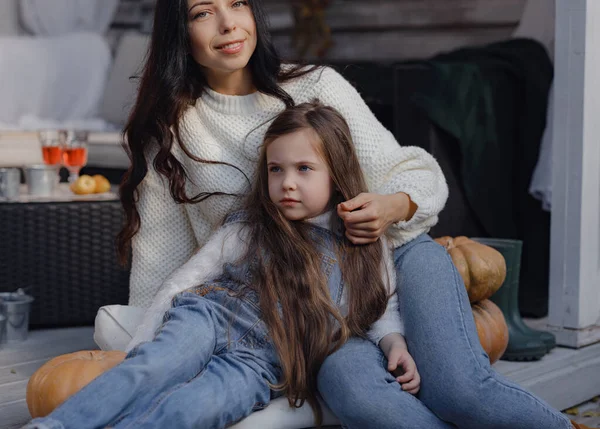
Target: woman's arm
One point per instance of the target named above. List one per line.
(388, 167)
(164, 241)
(226, 245)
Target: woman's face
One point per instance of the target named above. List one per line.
(222, 34)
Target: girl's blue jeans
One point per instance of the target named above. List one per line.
(458, 386)
(204, 369)
(210, 364)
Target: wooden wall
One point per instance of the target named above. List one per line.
(377, 29)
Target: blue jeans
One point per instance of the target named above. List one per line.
(210, 364)
(458, 385)
(204, 369)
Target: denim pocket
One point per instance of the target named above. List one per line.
(257, 337)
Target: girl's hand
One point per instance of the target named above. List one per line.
(368, 216)
(402, 365)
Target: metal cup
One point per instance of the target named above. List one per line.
(15, 307)
(42, 179)
(10, 179)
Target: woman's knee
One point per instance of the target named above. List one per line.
(422, 257)
(455, 400)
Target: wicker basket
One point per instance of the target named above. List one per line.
(64, 254)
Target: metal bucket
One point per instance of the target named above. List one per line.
(10, 179)
(41, 179)
(15, 307)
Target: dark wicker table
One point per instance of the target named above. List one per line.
(64, 253)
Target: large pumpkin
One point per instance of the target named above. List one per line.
(481, 267)
(64, 375)
(491, 328)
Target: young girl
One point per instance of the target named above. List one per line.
(258, 309)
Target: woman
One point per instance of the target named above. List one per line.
(211, 84)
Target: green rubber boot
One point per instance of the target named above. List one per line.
(513, 263)
(523, 342)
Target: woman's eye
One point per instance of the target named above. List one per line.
(240, 3)
(200, 15)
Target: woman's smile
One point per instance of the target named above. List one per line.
(231, 47)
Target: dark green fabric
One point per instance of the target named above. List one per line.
(493, 100)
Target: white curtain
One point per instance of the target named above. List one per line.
(537, 23)
(58, 17)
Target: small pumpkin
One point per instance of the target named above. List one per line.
(65, 375)
(481, 267)
(491, 328)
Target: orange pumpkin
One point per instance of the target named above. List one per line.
(481, 267)
(491, 328)
(65, 375)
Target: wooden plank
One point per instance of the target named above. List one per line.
(563, 378)
(14, 414)
(18, 361)
(398, 45)
(11, 392)
(47, 343)
(21, 371)
(408, 14)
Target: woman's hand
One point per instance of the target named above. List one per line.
(368, 216)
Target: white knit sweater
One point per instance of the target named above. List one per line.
(230, 129)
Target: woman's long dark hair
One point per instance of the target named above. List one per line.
(171, 81)
(308, 326)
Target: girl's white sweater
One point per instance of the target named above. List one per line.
(230, 129)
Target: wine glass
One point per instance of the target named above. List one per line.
(74, 153)
(52, 142)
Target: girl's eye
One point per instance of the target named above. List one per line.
(304, 168)
(275, 169)
(240, 3)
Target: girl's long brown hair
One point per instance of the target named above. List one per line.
(308, 327)
(171, 82)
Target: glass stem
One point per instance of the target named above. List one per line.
(73, 176)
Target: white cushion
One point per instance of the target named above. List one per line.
(114, 328)
(115, 325)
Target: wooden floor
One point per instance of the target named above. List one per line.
(18, 361)
(565, 377)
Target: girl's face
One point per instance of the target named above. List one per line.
(298, 177)
(222, 34)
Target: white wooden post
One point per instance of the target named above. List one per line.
(574, 307)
